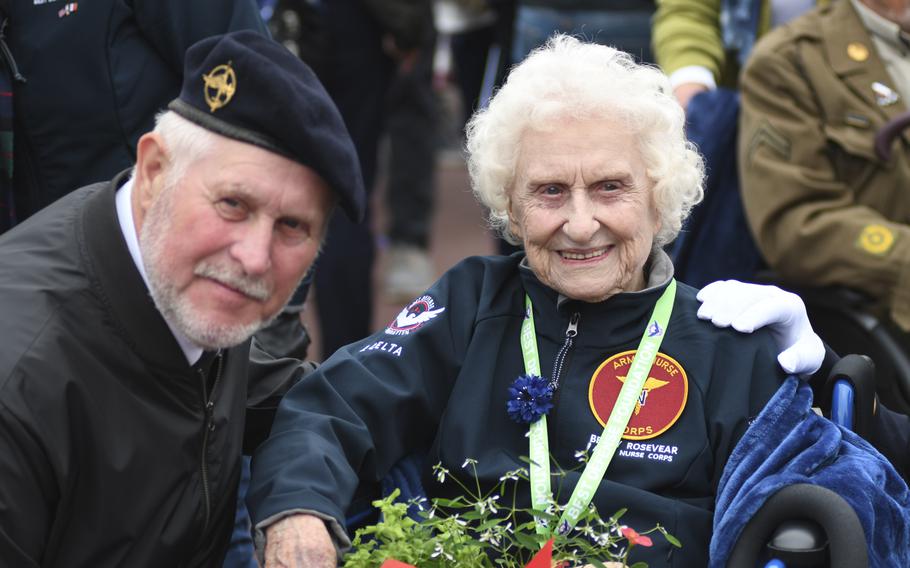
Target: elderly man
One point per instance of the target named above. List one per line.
(127, 311)
(824, 208)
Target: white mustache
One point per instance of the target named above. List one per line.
(233, 277)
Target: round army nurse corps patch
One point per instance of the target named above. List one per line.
(660, 403)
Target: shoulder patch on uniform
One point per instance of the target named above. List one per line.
(660, 404)
(767, 135)
(875, 239)
(414, 316)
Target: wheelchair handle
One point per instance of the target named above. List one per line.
(859, 372)
(846, 537)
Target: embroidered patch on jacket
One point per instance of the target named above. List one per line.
(660, 404)
(641, 450)
(383, 346)
(768, 136)
(875, 239)
(414, 316)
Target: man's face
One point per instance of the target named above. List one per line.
(226, 244)
(898, 11)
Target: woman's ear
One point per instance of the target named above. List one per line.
(514, 213)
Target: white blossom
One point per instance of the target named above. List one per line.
(440, 551)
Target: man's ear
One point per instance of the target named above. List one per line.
(152, 161)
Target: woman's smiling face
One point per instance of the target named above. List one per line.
(581, 203)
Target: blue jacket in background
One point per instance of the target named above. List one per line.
(96, 74)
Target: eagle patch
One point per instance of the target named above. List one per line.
(414, 316)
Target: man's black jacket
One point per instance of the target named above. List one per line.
(108, 453)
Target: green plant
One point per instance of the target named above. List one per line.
(480, 529)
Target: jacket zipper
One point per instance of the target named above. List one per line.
(559, 365)
(208, 426)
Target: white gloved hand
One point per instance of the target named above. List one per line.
(747, 307)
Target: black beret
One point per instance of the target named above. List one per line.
(250, 88)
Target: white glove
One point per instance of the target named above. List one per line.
(747, 307)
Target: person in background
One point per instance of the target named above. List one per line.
(703, 44)
(128, 382)
(623, 24)
(357, 52)
(412, 125)
(88, 78)
(825, 207)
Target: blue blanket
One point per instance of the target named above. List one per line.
(788, 444)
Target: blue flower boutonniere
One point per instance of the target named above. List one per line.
(530, 397)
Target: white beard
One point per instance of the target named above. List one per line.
(176, 308)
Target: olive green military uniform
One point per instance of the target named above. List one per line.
(823, 207)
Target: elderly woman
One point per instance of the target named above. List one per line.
(581, 158)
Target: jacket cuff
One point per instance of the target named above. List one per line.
(339, 537)
(693, 74)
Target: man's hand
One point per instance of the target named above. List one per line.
(747, 307)
(299, 541)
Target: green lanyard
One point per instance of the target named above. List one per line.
(616, 424)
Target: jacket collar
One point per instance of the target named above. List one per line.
(124, 205)
(619, 318)
(881, 28)
(118, 283)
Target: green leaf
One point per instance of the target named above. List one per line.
(672, 539)
(639, 565)
(526, 541)
(618, 514)
(456, 503)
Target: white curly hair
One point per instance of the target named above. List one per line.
(570, 79)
